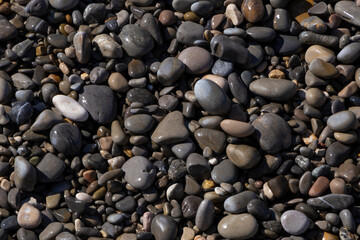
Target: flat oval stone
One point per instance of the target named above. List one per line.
(348, 11)
(237, 128)
(66, 138)
(238, 202)
(51, 231)
(261, 34)
(350, 53)
(333, 201)
(205, 215)
(238, 226)
(139, 172)
(70, 108)
(196, 59)
(188, 32)
(163, 227)
(100, 102)
(253, 10)
(211, 97)
(224, 172)
(136, 41)
(341, 121)
(272, 132)
(294, 222)
(139, 123)
(94, 13)
(108, 47)
(322, 69)
(57, 40)
(274, 89)
(214, 139)
(82, 46)
(238, 88)
(317, 51)
(243, 156)
(63, 5)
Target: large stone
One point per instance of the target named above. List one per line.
(274, 89)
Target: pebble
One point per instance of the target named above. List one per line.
(21, 112)
(163, 227)
(348, 11)
(253, 10)
(237, 128)
(243, 156)
(70, 108)
(211, 97)
(66, 138)
(29, 216)
(82, 47)
(238, 203)
(139, 172)
(318, 51)
(108, 47)
(136, 40)
(294, 222)
(349, 54)
(238, 226)
(188, 32)
(322, 69)
(196, 59)
(274, 89)
(50, 169)
(170, 70)
(204, 215)
(224, 172)
(63, 5)
(334, 201)
(8, 31)
(25, 176)
(139, 123)
(341, 121)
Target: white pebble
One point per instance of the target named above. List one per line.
(70, 108)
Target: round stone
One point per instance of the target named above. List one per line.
(136, 41)
(70, 108)
(243, 156)
(66, 138)
(315, 97)
(238, 226)
(196, 59)
(163, 227)
(139, 172)
(29, 216)
(294, 222)
(341, 121)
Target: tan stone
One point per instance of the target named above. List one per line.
(222, 82)
(29, 216)
(234, 14)
(276, 73)
(236, 128)
(317, 51)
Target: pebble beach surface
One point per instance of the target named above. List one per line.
(179, 119)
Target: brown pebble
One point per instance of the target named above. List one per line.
(337, 185)
(319, 187)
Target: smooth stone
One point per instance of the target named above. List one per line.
(347, 219)
(188, 32)
(21, 113)
(141, 95)
(94, 13)
(238, 88)
(63, 5)
(182, 6)
(253, 10)
(51, 231)
(319, 187)
(98, 75)
(37, 7)
(232, 12)
(349, 172)
(22, 81)
(274, 89)
(294, 222)
(229, 49)
(170, 71)
(5, 90)
(24, 234)
(261, 34)
(170, 130)
(279, 3)
(192, 187)
(336, 153)
(305, 183)
(205, 215)
(322, 69)
(46, 120)
(136, 41)
(149, 23)
(315, 97)
(127, 205)
(224, 172)
(57, 40)
(7, 31)
(212, 122)
(279, 186)
(100, 102)
(312, 81)
(237, 128)
(341, 121)
(183, 150)
(202, 8)
(333, 201)
(350, 53)
(139, 123)
(238, 226)
(211, 97)
(197, 166)
(311, 38)
(317, 51)
(222, 68)
(238, 203)
(258, 209)
(70, 108)
(163, 227)
(66, 138)
(118, 82)
(108, 47)
(196, 59)
(314, 24)
(281, 20)
(29, 216)
(50, 169)
(243, 156)
(24, 175)
(348, 12)
(168, 102)
(214, 139)
(190, 205)
(272, 132)
(82, 47)
(286, 45)
(139, 172)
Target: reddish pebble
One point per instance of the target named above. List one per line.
(337, 185)
(167, 17)
(319, 187)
